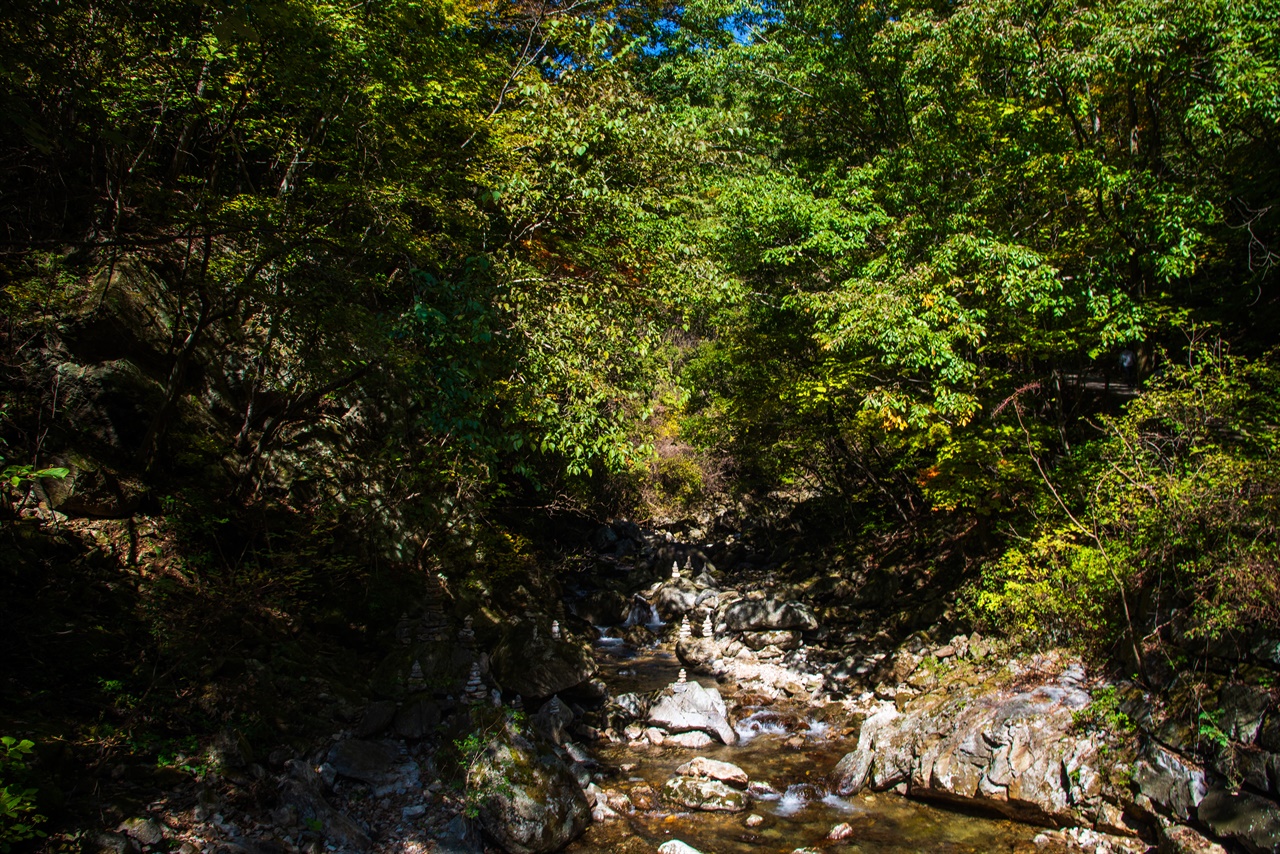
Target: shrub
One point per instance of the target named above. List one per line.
(19, 819)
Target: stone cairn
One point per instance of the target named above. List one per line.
(683, 678)
(555, 630)
(467, 634)
(404, 630)
(685, 631)
(416, 678)
(434, 625)
(708, 628)
(517, 703)
(675, 570)
(688, 563)
(475, 691)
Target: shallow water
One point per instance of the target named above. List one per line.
(801, 812)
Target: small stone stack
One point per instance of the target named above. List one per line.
(675, 570)
(475, 691)
(416, 678)
(517, 703)
(467, 634)
(685, 631)
(434, 625)
(708, 628)
(555, 630)
(404, 630)
(683, 678)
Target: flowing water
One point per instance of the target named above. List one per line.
(792, 752)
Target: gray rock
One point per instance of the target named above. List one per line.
(372, 762)
(780, 638)
(1243, 707)
(769, 614)
(603, 608)
(147, 831)
(552, 720)
(460, 836)
(695, 740)
(688, 707)
(698, 652)
(1180, 839)
(539, 666)
(377, 716)
(703, 793)
(529, 800)
(1252, 821)
(674, 601)
(230, 750)
(116, 843)
(301, 791)
(417, 718)
(633, 706)
(675, 846)
(1170, 782)
(725, 772)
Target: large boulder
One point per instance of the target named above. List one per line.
(675, 600)
(302, 790)
(1247, 819)
(698, 652)
(528, 799)
(769, 614)
(531, 664)
(688, 707)
(1014, 751)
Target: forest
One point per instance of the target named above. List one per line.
(304, 301)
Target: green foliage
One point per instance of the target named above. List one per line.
(1104, 714)
(1175, 505)
(19, 819)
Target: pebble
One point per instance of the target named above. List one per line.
(754, 820)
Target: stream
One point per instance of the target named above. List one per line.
(787, 747)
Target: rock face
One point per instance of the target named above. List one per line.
(769, 614)
(689, 707)
(529, 800)
(1247, 819)
(703, 793)
(1013, 752)
(533, 665)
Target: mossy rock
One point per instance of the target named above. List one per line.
(445, 667)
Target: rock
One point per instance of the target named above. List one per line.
(603, 608)
(459, 836)
(1016, 753)
(703, 793)
(372, 762)
(688, 707)
(537, 666)
(725, 772)
(1252, 821)
(1180, 839)
(147, 831)
(769, 614)
(230, 750)
(1171, 783)
(116, 843)
(632, 706)
(675, 846)
(698, 652)
(676, 600)
(754, 820)
(417, 718)
(780, 638)
(1243, 707)
(644, 797)
(301, 791)
(529, 800)
(552, 720)
(439, 664)
(695, 740)
(377, 716)
(841, 832)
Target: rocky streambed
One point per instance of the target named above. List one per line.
(667, 702)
